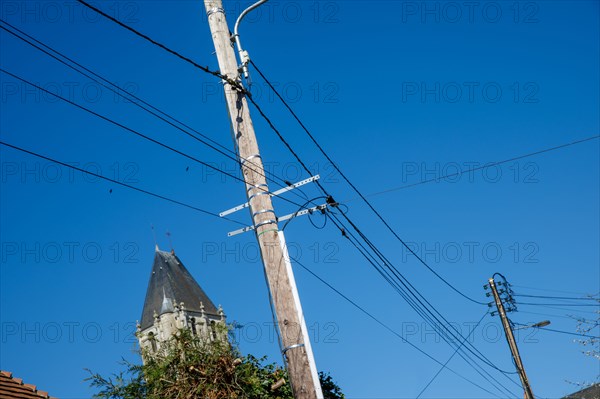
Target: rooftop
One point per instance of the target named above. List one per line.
(591, 392)
(14, 388)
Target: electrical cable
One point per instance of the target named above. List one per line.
(237, 85)
(572, 298)
(426, 314)
(450, 358)
(117, 182)
(557, 307)
(487, 165)
(135, 132)
(162, 46)
(360, 308)
(347, 180)
(270, 123)
(301, 207)
(563, 332)
(547, 314)
(266, 118)
(551, 290)
(561, 304)
(138, 102)
(272, 126)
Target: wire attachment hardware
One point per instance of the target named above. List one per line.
(284, 351)
(273, 194)
(215, 10)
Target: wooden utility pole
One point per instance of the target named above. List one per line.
(511, 341)
(263, 216)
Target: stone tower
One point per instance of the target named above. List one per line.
(175, 301)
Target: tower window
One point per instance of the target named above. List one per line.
(152, 340)
(213, 329)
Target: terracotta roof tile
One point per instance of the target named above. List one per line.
(13, 388)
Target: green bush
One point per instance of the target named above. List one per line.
(189, 367)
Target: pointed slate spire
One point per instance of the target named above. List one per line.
(171, 283)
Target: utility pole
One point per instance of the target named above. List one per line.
(303, 379)
(510, 338)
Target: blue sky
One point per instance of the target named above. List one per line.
(397, 92)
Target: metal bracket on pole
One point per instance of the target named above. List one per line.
(292, 347)
(303, 212)
(273, 194)
(281, 219)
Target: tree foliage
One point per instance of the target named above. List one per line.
(189, 367)
(588, 327)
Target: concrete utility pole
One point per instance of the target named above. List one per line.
(273, 252)
(511, 341)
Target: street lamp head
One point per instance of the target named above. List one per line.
(541, 324)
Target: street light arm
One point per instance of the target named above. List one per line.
(244, 58)
(243, 14)
(539, 324)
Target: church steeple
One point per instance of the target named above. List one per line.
(174, 300)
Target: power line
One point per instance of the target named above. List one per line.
(311, 136)
(450, 358)
(237, 85)
(116, 182)
(488, 165)
(562, 332)
(360, 308)
(233, 83)
(557, 307)
(337, 168)
(162, 46)
(407, 294)
(280, 136)
(151, 109)
(411, 295)
(271, 125)
(416, 307)
(561, 304)
(552, 290)
(102, 81)
(570, 333)
(137, 133)
(560, 297)
(547, 314)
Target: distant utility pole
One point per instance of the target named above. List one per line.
(296, 347)
(511, 341)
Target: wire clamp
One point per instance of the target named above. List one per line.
(265, 222)
(262, 211)
(262, 186)
(244, 160)
(215, 10)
